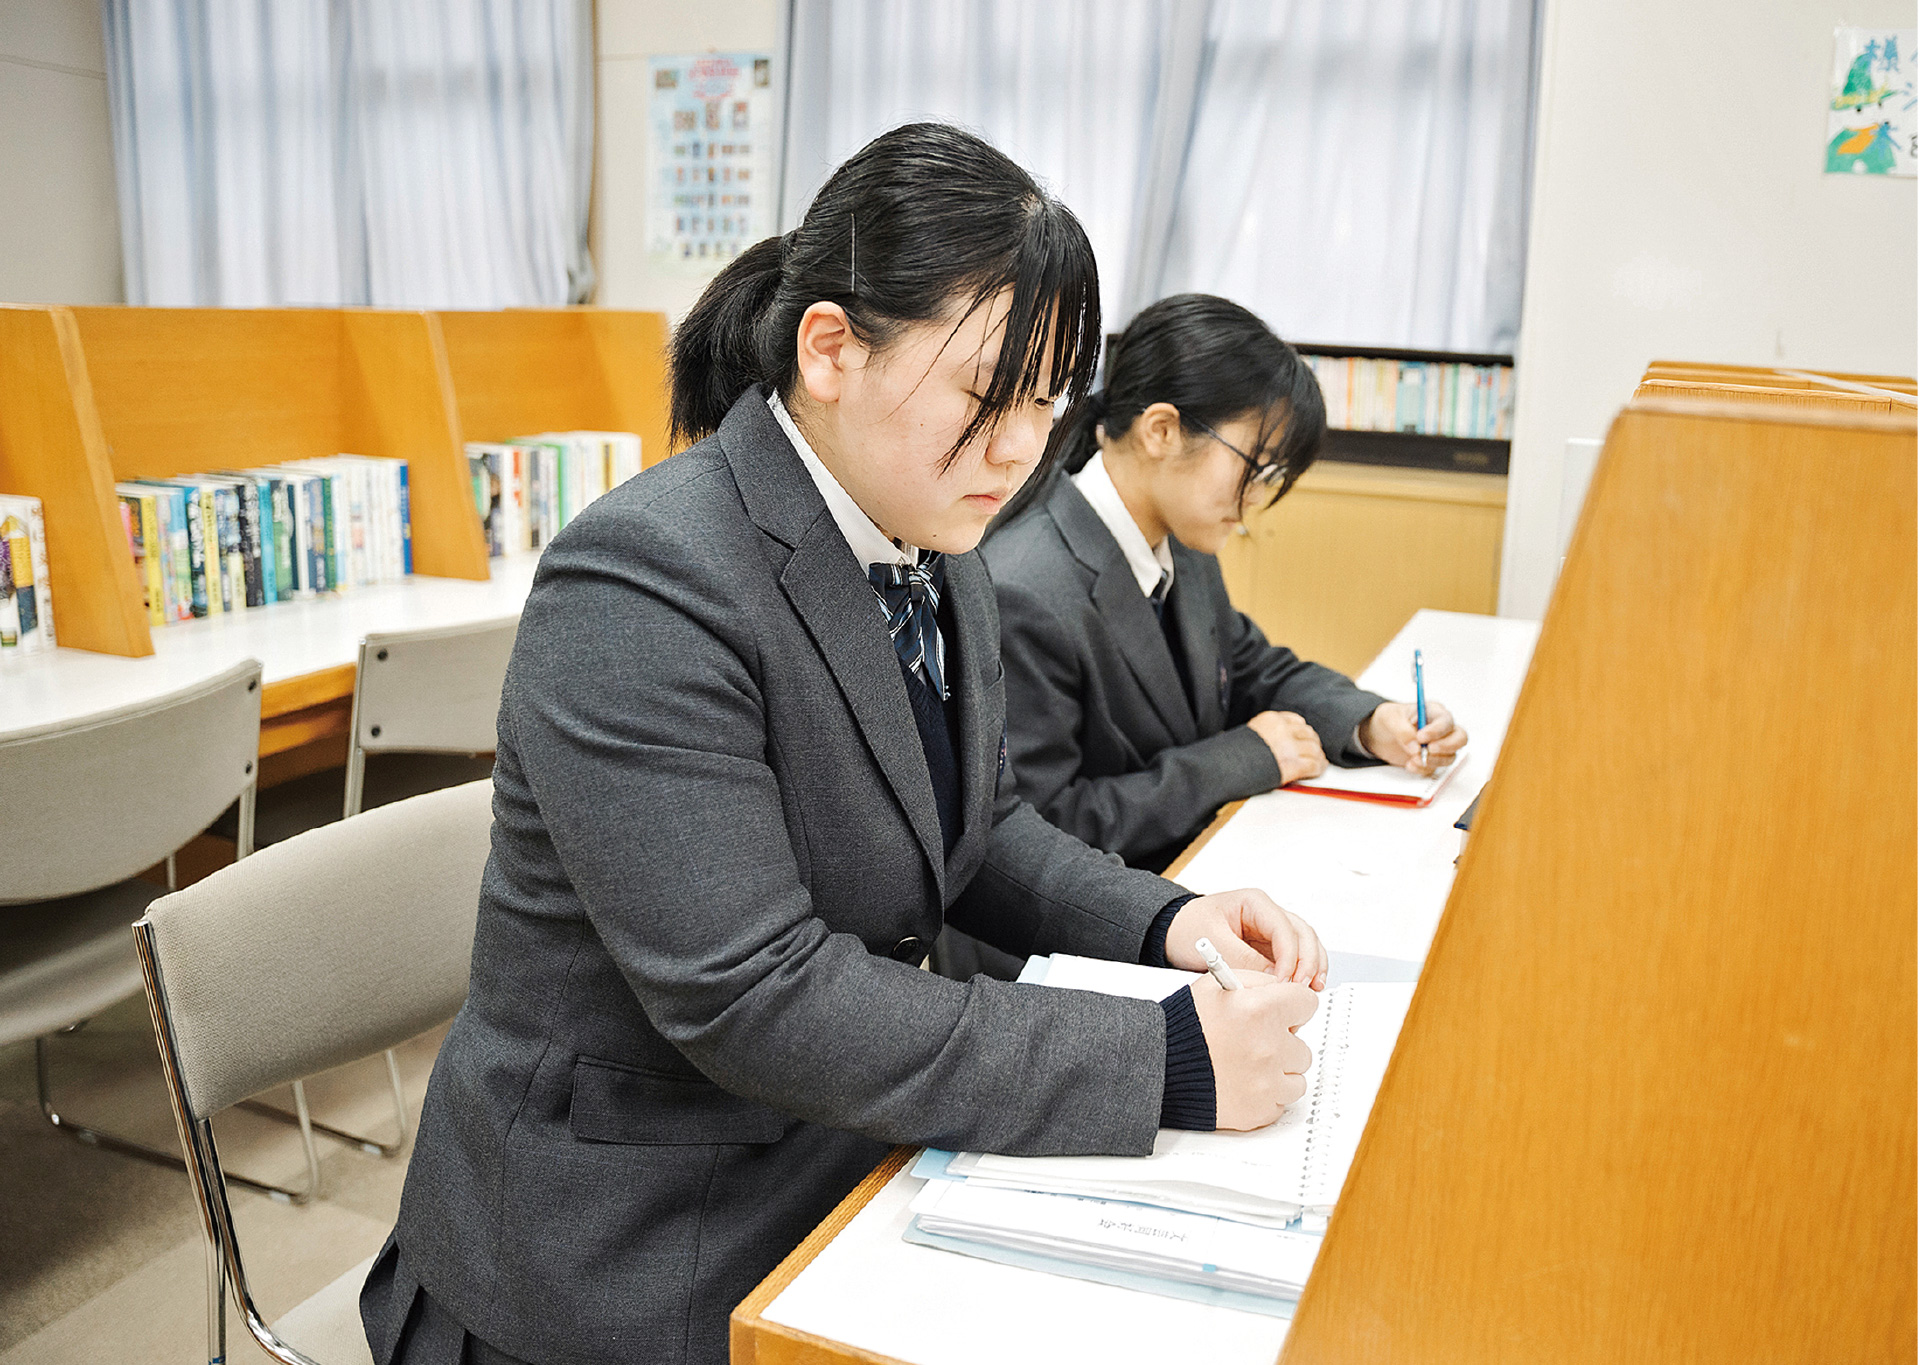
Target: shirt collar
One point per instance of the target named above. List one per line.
(868, 543)
(1148, 562)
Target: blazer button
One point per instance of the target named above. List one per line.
(910, 950)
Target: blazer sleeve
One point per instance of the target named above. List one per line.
(1132, 814)
(1267, 677)
(635, 713)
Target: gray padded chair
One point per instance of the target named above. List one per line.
(332, 946)
(425, 702)
(91, 803)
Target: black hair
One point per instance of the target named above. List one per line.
(1214, 361)
(922, 219)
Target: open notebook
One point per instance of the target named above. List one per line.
(1270, 1177)
(1389, 785)
(1230, 1218)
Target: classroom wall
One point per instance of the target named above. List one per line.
(628, 32)
(1680, 212)
(59, 234)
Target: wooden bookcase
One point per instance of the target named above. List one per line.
(89, 396)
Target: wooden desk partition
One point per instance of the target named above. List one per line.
(89, 396)
(52, 448)
(1655, 1096)
(528, 370)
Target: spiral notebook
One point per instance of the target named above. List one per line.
(1289, 1173)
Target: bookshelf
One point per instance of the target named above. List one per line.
(92, 395)
(1410, 450)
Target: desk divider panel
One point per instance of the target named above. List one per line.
(1655, 1099)
(52, 448)
(527, 370)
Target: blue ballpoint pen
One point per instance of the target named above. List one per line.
(1420, 702)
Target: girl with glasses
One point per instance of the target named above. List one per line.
(1138, 700)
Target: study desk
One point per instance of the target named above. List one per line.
(308, 651)
(1371, 879)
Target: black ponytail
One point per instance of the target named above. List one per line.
(922, 221)
(1214, 361)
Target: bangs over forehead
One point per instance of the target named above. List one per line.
(1050, 337)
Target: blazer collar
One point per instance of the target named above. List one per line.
(830, 593)
(1128, 614)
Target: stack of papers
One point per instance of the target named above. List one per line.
(1231, 1217)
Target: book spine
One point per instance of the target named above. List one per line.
(42, 575)
(281, 491)
(406, 517)
(153, 544)
(269, 540)
(248, 527)
(215, 557)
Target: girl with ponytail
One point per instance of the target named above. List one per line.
(750, 764)
(1138, 700)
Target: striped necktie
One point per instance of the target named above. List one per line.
(910, 596)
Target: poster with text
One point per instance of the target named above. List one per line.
(712, 194)
(1871, 128)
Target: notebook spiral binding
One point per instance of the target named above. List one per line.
(1324, 1104)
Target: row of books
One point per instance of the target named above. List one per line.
(1423, 397)
(526, 489)
(26, 597)
(212, 544)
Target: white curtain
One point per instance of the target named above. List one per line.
(1357, 172)
(353, 151)
(1068, 88)
(1354, 172)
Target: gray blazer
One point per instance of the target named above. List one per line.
(1101, 736)
(688, 1035)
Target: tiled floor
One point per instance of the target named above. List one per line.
(101, 1255)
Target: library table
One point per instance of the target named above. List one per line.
(307, 650)
(1371, 879)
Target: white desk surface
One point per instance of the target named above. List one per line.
(289, 639)
(1372, 880)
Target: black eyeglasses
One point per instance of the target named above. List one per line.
(1264, 475)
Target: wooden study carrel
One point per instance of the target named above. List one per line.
(1655, 1096)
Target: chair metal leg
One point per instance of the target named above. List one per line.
(216, 1303)
(310, 1125)
(93, 1137)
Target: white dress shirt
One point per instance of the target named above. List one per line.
(864, 537)
(1148, 562)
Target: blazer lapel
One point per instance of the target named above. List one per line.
(1200, 634)
(830, 593)
(976, 651)
(1124, 608)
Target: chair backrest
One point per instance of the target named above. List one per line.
(432, 691)
(339, 942)
(94, 800)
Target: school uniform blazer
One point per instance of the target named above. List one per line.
(687, 1034)
(1101, 737)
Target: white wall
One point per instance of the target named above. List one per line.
(59, 236)
(1680, 212)
(629, 32)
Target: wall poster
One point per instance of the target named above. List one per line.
(712, 194)
(1871, 128)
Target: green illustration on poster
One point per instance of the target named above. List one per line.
(711, 194)
(1871, 129)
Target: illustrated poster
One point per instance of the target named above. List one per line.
(1871, 129)
(713, 148)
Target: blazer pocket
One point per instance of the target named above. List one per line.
(615, 1103)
